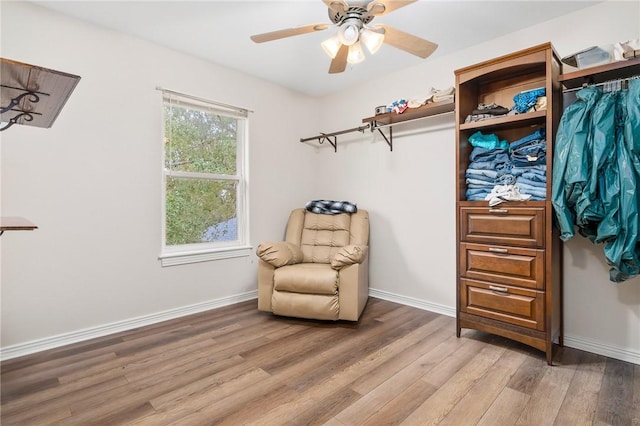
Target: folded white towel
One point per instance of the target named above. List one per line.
(421, 100)
(444, 94)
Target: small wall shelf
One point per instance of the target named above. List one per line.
(388, 119)
(12, 223)
(32, 95)
(426, 110)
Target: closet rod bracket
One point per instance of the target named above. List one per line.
(333, 142)
(388, 140)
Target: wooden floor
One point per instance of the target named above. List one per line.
(235, 365)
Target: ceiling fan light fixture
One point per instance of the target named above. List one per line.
(331, 46)
(349, 31)
(356, 54)
(372, 39)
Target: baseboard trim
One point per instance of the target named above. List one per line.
(622, 354)
(15, 351)
(410, 301)
(21, 349)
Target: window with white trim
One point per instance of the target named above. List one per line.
(204, 180)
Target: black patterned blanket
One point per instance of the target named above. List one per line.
(330, 207)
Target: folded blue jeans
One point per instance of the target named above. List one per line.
(531, 168)
(481, 186)
(538, 134)
(530, 153)
(481, 173)
(483, 154)
(521, 180)
(478, 197)
(537, 177)
(486, 181)
(478, 191)
(501, 167)
(535, 191)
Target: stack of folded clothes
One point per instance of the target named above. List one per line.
(529, 164)
(529, 100)
(486, 112)
(489, 166)
(499, 171)
(526, 101)
(433, 95)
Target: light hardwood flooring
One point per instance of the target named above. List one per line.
(235, 365)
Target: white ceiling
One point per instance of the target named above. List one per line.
(219, 31)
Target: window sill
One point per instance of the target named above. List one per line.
(186, 257)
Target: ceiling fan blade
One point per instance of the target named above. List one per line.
(408, 42)
(289, 32)
(339, 63)
(337, 5)
(382, 7)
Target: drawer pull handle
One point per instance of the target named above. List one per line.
(499, 211)
(500, 289)
(498, 250)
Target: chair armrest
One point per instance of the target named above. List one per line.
(279, 253)
(349, 255)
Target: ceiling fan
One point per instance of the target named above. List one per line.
(353, 20)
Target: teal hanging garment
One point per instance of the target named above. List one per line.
(596, 170)
(604, 181)
(622, 253)
(570, 161)
(597, 206)
(632, 123)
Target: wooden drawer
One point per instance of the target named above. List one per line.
(513, 305)
(517, 266)
(518, 226)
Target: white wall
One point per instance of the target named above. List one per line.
(92, 182)
(410, 191)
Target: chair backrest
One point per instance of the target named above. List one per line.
(321, 235)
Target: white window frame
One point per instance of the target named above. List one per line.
(202, 252)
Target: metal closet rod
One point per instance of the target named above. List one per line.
(371, 126)
(625, 79)
(341, 132)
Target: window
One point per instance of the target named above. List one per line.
(204, 180)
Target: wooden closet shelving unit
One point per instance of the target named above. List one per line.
(509, 279)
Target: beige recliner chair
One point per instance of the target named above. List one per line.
(320, 271)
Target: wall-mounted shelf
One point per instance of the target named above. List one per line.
(388, 119)
(426, 110)
(12, 223)
(32, 95)
(601, 73)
